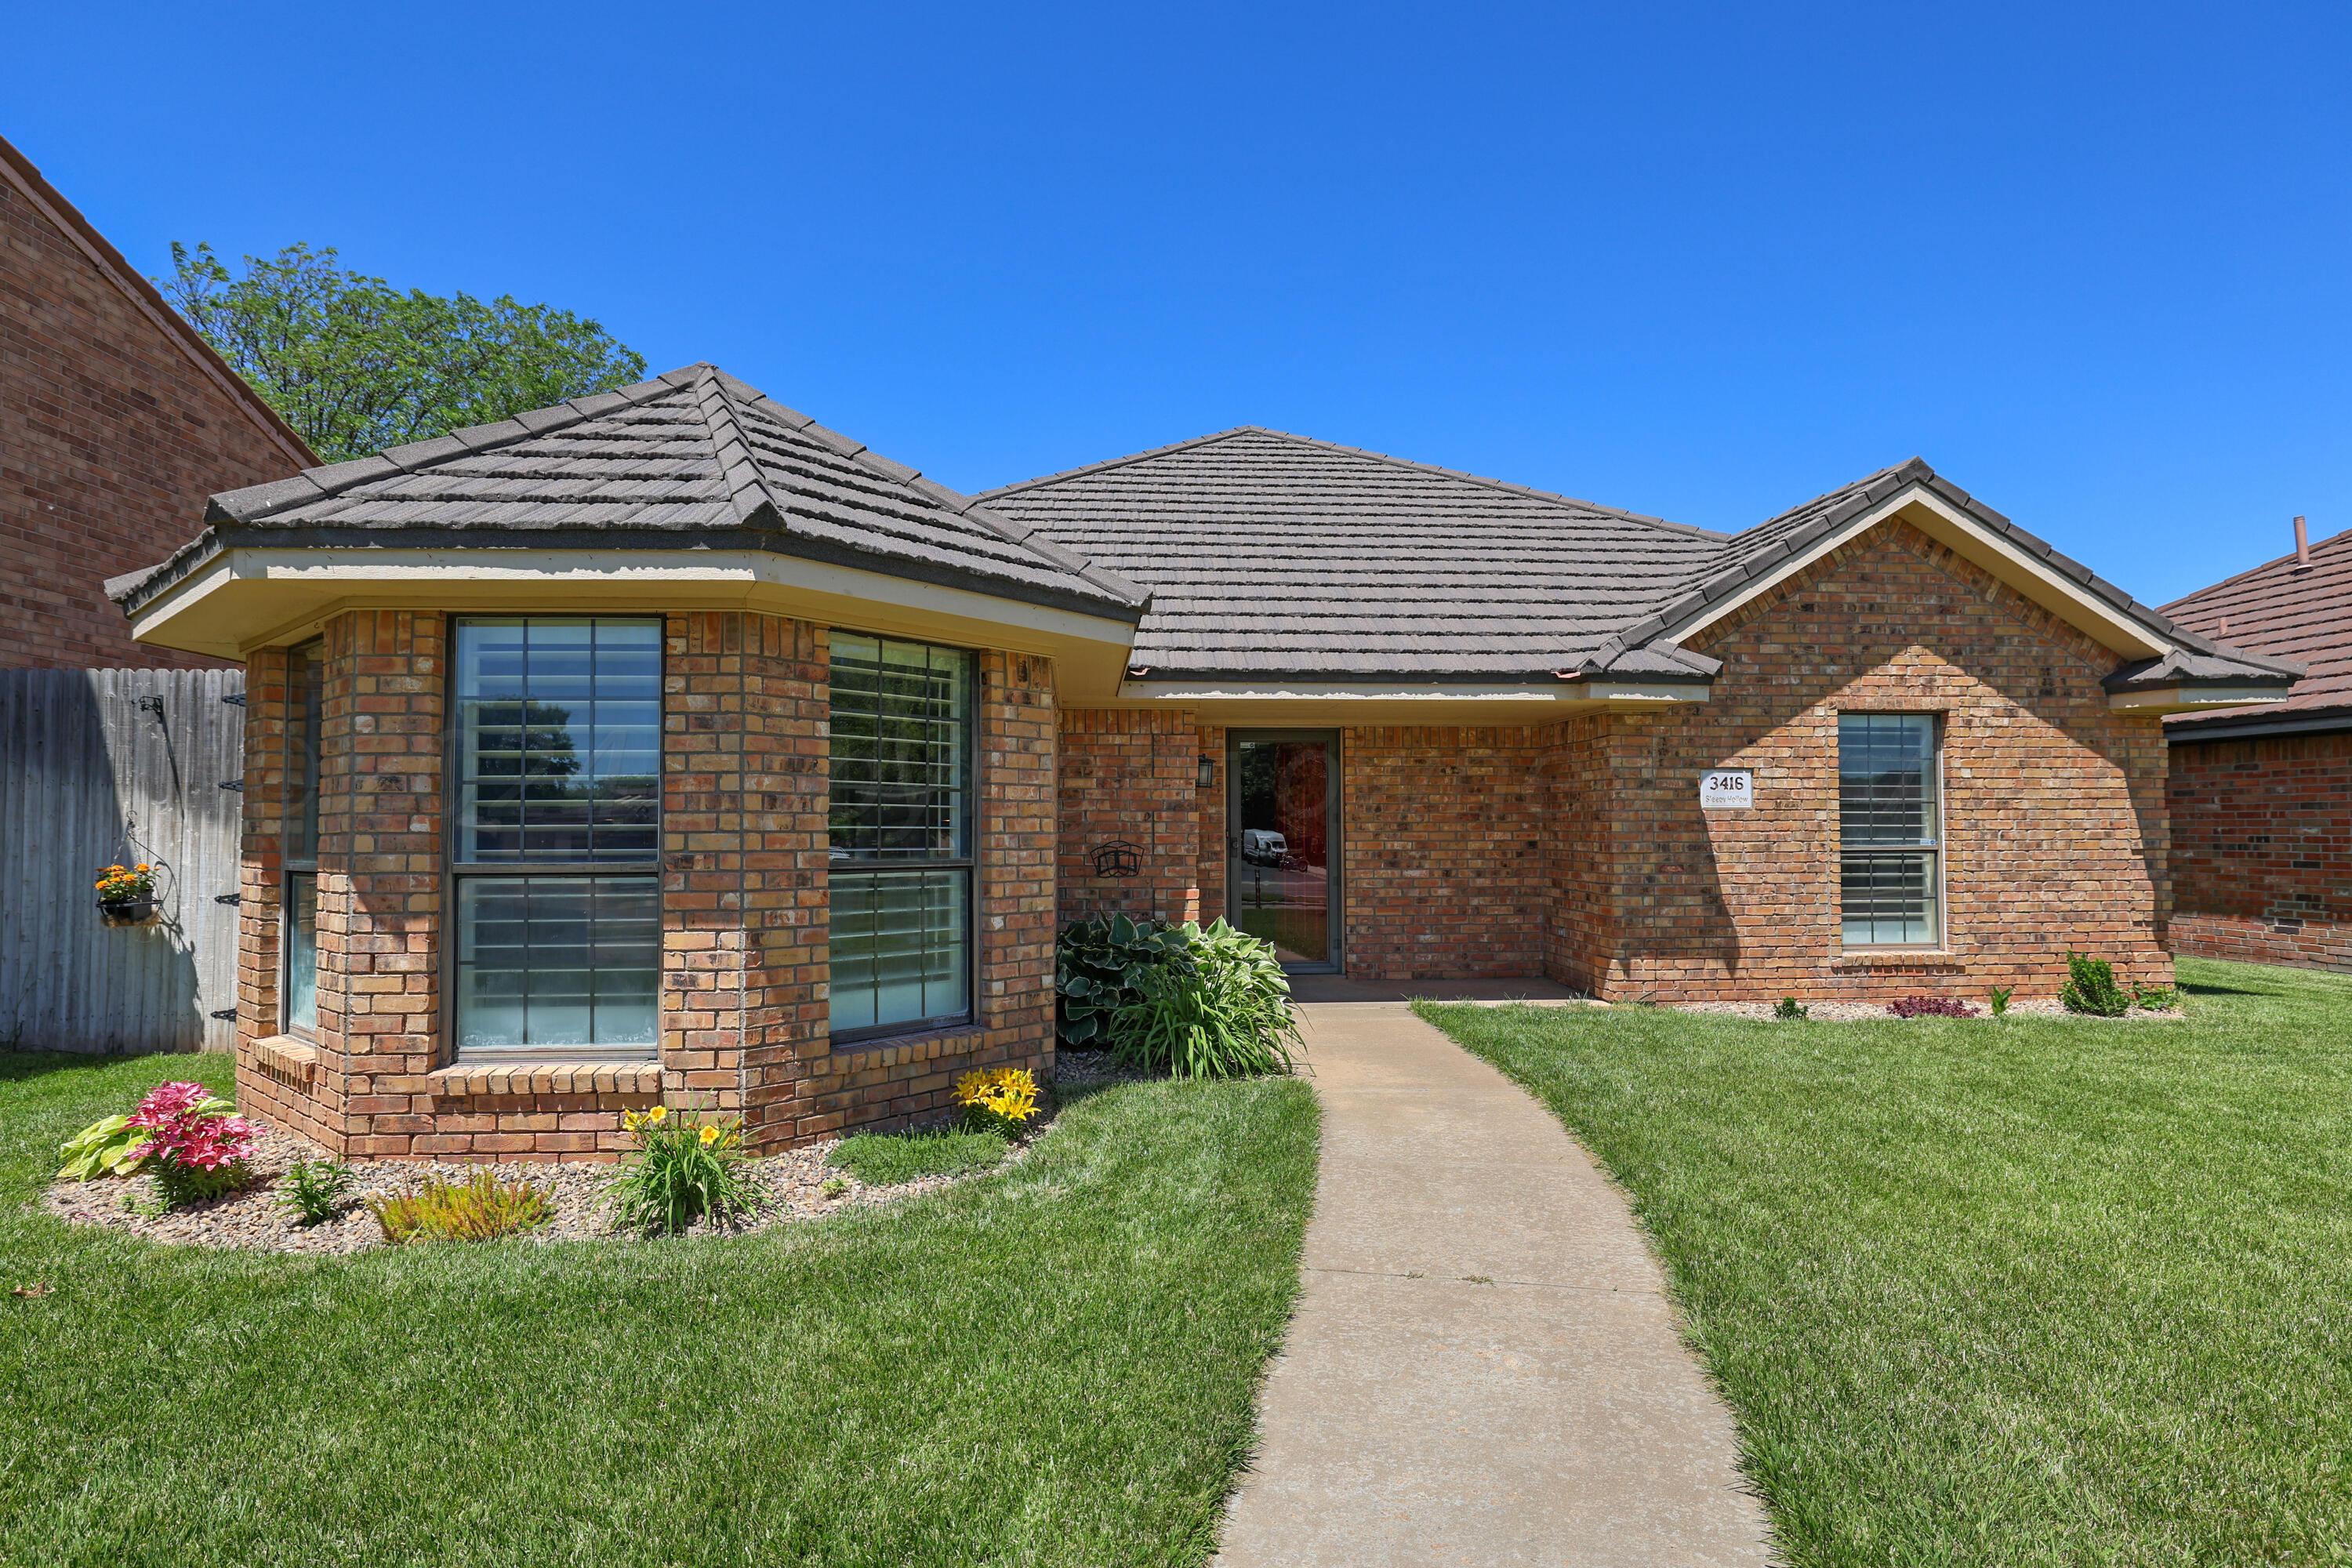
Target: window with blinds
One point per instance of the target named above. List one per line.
(1889, 829)
(556, 853)
(901, 835)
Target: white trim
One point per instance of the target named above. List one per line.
(2189, 699)
(2092, 615)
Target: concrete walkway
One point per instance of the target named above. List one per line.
(1484, 1369)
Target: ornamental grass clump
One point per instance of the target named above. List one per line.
(1224, 1012)
(1002, 1098)
(480, 1208)
(686, 1168)
(196, 1146)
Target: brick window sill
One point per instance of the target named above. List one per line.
(1941, 958)
(287, 1058)
(917, 1045)
(466, 1080)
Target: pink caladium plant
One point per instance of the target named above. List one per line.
(188, 1128)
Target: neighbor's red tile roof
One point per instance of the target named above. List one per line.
(2304, 615)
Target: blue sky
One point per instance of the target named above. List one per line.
(1705, 262)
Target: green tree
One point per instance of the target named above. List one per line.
(357, 365)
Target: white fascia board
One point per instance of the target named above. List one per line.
(2189, 699)
(1989, 549)
(1189, 691)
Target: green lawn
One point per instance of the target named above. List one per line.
(2046, 1291)
(1052, 1363)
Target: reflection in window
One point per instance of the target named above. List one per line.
(558, 777)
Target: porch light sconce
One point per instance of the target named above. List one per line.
(1208, 775)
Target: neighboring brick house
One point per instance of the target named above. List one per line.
(666, 743)
(2262, 799)
(116, 421)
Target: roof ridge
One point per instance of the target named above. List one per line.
(2316, 546)
(747, 487)
(1095, 468)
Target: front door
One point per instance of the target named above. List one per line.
(1282, 842)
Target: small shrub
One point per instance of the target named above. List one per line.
(313, 1190)
(195, 1145)
(1930, 1007)
(686, 1168)
(833, 1188)
(1999, 996)
(887, 1159)
(109, 1147)
(1225, 1013)
(2090, 987)
(2155, 998)
(1098, 968)
(480, 1208)
(1789, 1007)
(1004, 1099)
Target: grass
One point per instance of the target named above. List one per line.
(1051, 1364)
(886, 1159)
(2039, 1291)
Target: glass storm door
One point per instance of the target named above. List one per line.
(1282, 843)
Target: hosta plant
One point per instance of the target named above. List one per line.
(686, 1168)
(1098, 967)
(480, 1208)
(107, 1147)
(1223, 1012)
(196, 1145)
(1003, 1098)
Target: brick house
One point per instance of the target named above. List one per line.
(116, 421)
(666, 742)
(2261, 798)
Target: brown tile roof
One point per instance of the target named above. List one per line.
(2288, 613)
(692, 458)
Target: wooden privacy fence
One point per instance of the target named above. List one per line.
(98, 765)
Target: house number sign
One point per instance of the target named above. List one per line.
(1728, 789)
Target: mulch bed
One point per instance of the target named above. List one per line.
(791, 1187)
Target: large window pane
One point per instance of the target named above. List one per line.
(558, 739)
(302, 704)
(302, 951)
(1888, 819)
(901, 833)
(558, 963)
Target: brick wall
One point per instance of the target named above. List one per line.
(2054, 821)
(743, 1003)
(111, 438)
(1132, 777)
(2262, 849)
(1441, 835)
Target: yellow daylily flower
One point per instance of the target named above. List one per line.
(709, 1136)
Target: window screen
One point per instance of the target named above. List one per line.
(557, 848)
(901, 834)
(1888, 828)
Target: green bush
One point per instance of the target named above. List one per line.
(2154, 998)
(482, 1209)
(2090, 987)
(108, 1147)
(312, 1191)
(1098, 968)
(1999, 996)
(1789, 1007)
(887, 1159)
(1223, 1013)
(686, 1168)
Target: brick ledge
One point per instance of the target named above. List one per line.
(465, 1079)
(287, 1058)
(1940, 960)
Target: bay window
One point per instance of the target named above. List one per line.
(555, 857)
(900, 835)
(1889, 829)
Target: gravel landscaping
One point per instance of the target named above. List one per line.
(1876, 1013)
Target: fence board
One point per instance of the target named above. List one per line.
(118, 765)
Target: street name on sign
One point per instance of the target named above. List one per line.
(1728, 789)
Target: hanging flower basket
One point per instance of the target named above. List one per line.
(126, 894)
